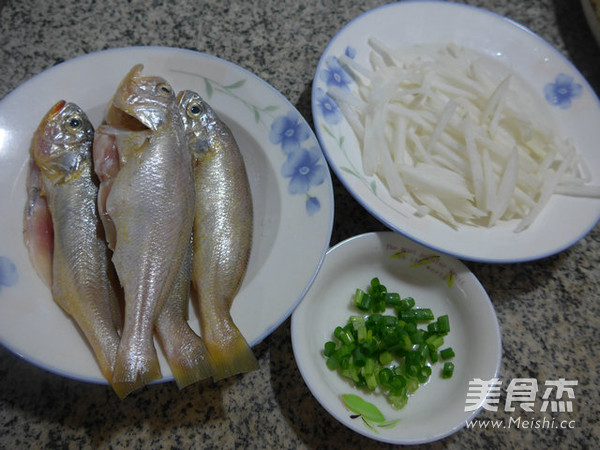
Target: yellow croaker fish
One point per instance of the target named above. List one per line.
(222, 233)
(147, 203)
(63, 232)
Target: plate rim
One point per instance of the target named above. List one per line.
(375, 209)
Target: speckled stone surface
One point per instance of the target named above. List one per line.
(548, 310)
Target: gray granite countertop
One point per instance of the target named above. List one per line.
(548, 309)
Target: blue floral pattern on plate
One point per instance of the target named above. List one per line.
(289, 132)
(562, 91)
(302, 165)
(8, 273)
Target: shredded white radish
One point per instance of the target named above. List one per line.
(474, 162)
(455, 137)
(506, 188)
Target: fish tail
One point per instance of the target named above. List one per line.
(185, 351)
(191, 365)
(133, 371)
(123, 389)
(231, 355)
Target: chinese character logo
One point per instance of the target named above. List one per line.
(485, 393)
(557, 395)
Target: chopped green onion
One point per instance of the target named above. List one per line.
(346, 337)
(417, 337)
(433, 356)
(357, 321)
(411, 385)
(332, 363)
(329, 348)
(424, 374)
(443, 324)
(388, 352)
(448, 370)
(398, 401)
(371, 381)
(362, 334)
(392, 299)
(370, 348)
(361, 300)
(434, 341)
(385, 377)
(423, 314)
(433, 328)
(447, 353)
(359, 358)
(385, 358)
(412, 370)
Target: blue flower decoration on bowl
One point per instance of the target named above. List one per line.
(562, 91)
(329, 109)
(8, 272)
(334, 74)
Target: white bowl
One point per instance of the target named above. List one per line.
(435, 281)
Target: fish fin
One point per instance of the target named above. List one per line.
(232, 355)
(38, 231)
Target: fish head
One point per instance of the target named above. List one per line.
(141, 102)
(199, 121)
(61, 145)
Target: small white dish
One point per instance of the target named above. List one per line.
(435, 281)
(286, 218)
(576, 113)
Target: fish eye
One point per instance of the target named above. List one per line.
(164, 89)
(194, 110)
(74, 123)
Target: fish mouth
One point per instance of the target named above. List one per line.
(123, 120)
(120, 112)
(57, 108)
(52, 113)
(141, 102)
(40, 146)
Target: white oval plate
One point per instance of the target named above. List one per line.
(439, 282)
(286, 220)
(563, 222)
